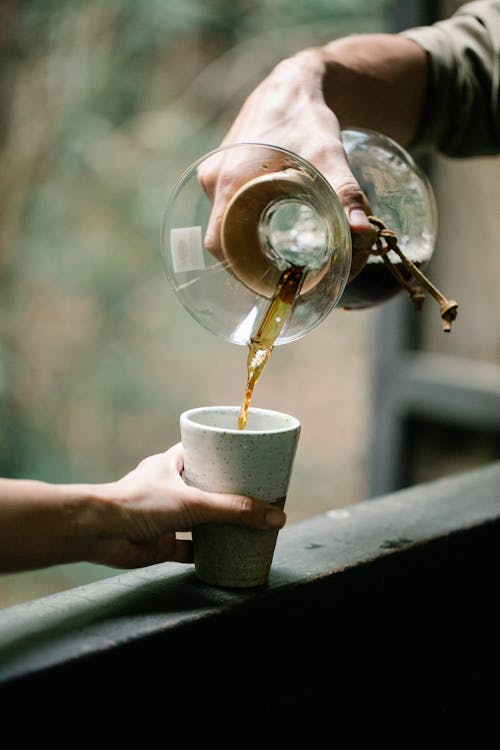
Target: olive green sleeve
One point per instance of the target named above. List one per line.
(462, 110)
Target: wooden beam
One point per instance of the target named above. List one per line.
(375, 614)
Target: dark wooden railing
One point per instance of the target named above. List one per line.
(380, 624)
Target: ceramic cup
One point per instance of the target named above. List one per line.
(256, 461)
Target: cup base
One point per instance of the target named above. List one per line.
(233, 557)
(231, 583)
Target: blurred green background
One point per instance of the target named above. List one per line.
(104, 105)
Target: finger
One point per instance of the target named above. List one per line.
(214, 507)
(132, 553)
(211, 176)
(223, 177)
(356, 207)
(351, 196)
(213, 243)
(118, 552)
(176, 453)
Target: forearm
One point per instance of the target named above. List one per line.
(434, 87)
(376, 81)
(44, 524)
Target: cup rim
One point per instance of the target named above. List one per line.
(292, 422)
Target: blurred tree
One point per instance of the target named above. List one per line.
(104, 105)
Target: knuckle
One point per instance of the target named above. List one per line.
(243, 506)
(350, 192)
(207, 177)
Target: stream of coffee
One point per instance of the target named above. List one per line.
(262, 344)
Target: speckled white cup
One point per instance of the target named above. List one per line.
(258, 462)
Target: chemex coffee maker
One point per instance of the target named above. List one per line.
(268, 257)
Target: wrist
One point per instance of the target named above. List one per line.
(86, 509)
(376, 81)
(304, 70)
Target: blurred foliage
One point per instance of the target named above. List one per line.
(104, 105)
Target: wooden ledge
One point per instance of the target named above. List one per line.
(377, 598)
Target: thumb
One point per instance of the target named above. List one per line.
(357, 210)
(240, 510)
(352, 197)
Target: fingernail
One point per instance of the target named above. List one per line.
(275, 518)
(359, 219)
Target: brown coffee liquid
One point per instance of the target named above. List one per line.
(373, 285)
(262, 344)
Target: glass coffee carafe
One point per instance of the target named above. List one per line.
(273, 257)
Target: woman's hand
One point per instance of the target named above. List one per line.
(124, 524)
(152, 502)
